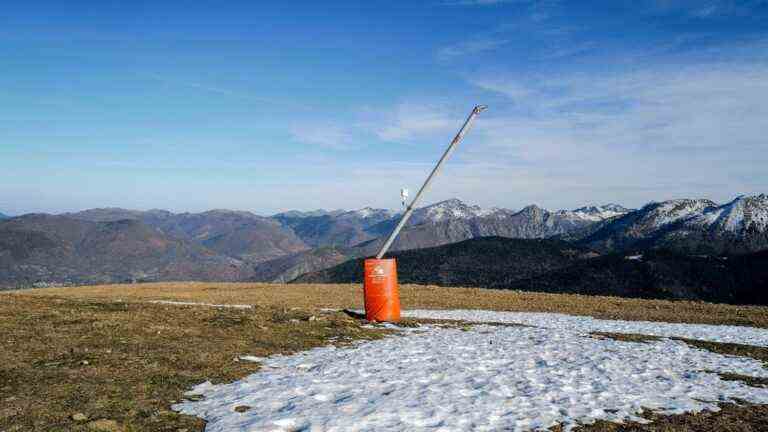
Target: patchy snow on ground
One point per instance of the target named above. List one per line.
(585, 325)
(251, 358)
(485, 378)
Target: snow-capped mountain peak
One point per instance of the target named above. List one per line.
(369, 212)
(452, 209)
(667, 212)
(744, 212)
(595, 213)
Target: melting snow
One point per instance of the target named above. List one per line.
(485, 378)
(584, 325)
(250, 358)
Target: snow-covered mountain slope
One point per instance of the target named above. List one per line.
(451, 209)
(595, 213)
(690, 225)
(377, 215)
(311, 213)
(452, 221)
(456, 209)
(743, 213)
(658, 215)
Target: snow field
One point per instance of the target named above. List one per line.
(484, 379)
(583, 325)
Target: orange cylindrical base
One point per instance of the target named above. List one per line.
(382, 299)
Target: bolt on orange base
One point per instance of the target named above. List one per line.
(382, 299)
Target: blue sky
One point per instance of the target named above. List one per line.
(266, 107)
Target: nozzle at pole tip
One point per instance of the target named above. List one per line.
(480, 108)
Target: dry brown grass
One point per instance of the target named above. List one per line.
(739, 350)
(430, 297)
(730, 418)
(127, 362)
(105, 352)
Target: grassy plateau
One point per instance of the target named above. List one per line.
(106, 358)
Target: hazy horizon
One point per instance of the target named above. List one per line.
(426, 203)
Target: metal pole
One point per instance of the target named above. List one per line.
(409, 211)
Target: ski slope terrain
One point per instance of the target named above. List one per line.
(537, 371)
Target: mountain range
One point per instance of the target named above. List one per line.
(692, 226)
(442, 223)
(39, 249)
(237, 234)
(119, 245)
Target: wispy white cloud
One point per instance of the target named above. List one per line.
(559, 51)
(409, 120)
(534, 26)
(651, 133)
(172, 81)
(329, 136)
(469, 47)
(704, 9)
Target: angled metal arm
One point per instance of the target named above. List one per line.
(409, 211)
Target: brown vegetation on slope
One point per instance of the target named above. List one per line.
(426, 297)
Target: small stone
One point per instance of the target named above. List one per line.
(104, 425)
(194, 397)
(242, 408)
(84, 363)
(313, 318)
(294, 321)
(79, 417)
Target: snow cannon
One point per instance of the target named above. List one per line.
(382, 299)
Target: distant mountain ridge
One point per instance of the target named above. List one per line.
(693, 226)
(39, 249)
(338, 228)
(284, 246)
(238, 234)
(438, 224)
(4, 216)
